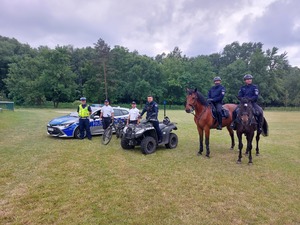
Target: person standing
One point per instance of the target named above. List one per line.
(107, 114)
(151, 108)
(133, 117)
(215, 96)
(84, 112)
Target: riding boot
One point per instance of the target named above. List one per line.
(259, 121)
(233, 123)
(219, 127)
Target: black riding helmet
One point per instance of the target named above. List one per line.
(217, 78)
(248, 77)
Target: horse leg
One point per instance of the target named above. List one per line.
(207, 132)
(257, 141)
(200, 132)
(231, 133)
(239, 135)
(249, 146)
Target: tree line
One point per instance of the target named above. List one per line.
(64, 74)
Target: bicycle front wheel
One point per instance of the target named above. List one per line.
(107, 135)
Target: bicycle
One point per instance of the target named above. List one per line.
(107, 135)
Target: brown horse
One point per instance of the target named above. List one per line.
(204, 118)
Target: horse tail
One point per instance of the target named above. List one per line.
(265, 128)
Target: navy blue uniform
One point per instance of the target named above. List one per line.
(215, 96)
(251, 91)
(216, 93)
(152, 113)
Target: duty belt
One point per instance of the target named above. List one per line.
(84, 117)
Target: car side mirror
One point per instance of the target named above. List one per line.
(96, 117)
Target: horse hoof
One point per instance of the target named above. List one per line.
(231, 148)
(250, 163)
(238, 162)
(207, 156)
(257, 154)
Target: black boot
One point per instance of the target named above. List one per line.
(259, 123)
(219, 127)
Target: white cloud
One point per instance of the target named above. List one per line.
(152, 27)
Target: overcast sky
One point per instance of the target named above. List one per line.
(155, 26)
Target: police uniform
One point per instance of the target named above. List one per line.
(133, 115)
(216, 95)
(251, 92)
(106, 112)
(152, 112)
(84, 112)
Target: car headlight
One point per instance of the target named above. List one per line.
(65, 125)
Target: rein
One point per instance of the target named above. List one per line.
(201, 114)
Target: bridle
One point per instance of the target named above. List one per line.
(193, 108)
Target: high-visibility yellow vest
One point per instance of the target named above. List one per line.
(83, 112)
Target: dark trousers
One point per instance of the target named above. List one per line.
(84, 124)
(218, 106)
(106, 121)
(132, 121)
(158, 131)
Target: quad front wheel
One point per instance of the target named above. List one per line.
(173, 141)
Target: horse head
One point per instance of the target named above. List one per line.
(245, 112)
(191, 100)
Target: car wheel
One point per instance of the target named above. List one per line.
(125, 144)
(77, 133)
(148, 145)
(173, 141)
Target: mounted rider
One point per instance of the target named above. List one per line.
(215, 96)
(251, 92)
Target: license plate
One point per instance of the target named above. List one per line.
(50, 129)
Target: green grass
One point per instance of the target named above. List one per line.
(46, 180)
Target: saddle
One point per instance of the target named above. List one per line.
(225, 112)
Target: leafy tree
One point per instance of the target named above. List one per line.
(58, 78)
(24, 81)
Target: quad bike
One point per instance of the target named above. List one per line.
(144, 135)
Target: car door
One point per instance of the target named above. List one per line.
(95, 123)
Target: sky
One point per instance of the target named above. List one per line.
(151, 27)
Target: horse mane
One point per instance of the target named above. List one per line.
(200, 97)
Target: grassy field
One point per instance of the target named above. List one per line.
(46, 180)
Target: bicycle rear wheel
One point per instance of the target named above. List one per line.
(107, 135)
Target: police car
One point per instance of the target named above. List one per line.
(68, 126)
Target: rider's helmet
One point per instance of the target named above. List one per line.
(248, 77)
(217, 79)
(83, 99)
(166, 120)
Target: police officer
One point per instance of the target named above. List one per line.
(107, 114)
(215, 96)
(134, 113)
(251, 92)
(84, 112)
(151, 108)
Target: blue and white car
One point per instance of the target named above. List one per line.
(68, 126)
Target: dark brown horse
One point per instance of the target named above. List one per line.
(204, 119)
(247, 124)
